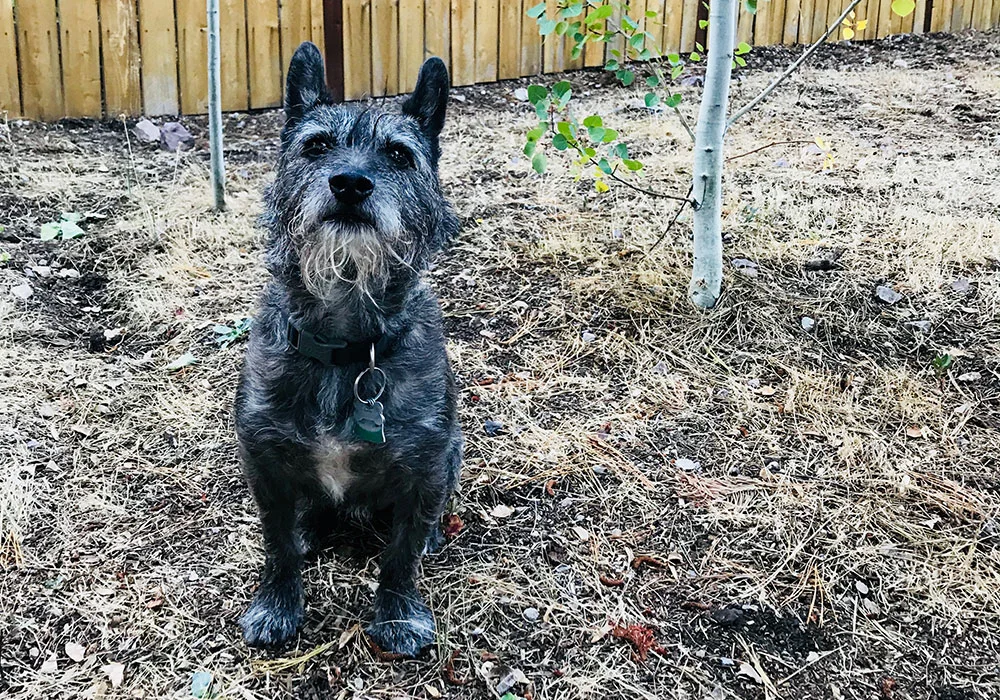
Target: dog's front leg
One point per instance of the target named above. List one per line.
(403, 624)
(275, 614)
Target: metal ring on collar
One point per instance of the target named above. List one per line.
(381, 388)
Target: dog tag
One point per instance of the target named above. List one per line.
(369, 421)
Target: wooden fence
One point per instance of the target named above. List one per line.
(108, 57)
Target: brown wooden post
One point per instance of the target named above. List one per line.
(333, 35)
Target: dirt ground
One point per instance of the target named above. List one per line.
(794, 496)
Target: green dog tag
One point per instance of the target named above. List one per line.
(369, 421)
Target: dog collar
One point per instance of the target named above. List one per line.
(335, 351)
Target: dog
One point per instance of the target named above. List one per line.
(347, 402)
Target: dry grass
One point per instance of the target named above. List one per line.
(845, 499)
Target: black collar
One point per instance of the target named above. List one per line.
(336, 351)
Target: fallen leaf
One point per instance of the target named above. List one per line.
(887, 295)
(432, 691)
(502, 511)
(75, 651)
(51, 664)
(582, 534)
(115, 673)
(750, 672)
(181, 362)
(915, 431)
(201, 683)
(452, 526)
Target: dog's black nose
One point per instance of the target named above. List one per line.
(351, 188)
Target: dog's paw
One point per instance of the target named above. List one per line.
(403, 625)
(271, 621)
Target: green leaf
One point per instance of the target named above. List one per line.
(620, 150)
(601, 186)
(185, 360)
(751, 6)
(537, 93)
(651, 14)
(740, 61)
(539, 162)
(572, 10)
(566, 129)
(652, 81)
(602, 12)
(903, 7)
(703, 23)
(629, 24)
(69, 230)
(611, 65)
(49, 231)
(674, 59)
(562, 89)
(201, 683)
(743, 48)
(593, 120)
(676, 71)
(645, 55)
(695, 56)
(596, 133)
(542, 109)
(626, 76)
(537, 11)
(605, 166)
(699, 47)
(609, 135)
(560, 142)
(632, 165)
(575, 52)
(529, 148)
(536, 133)
(651, 99)
(71, 216)
(673, 100)
(635, 41)
(590, 151)
(561, 28)
(546, 26)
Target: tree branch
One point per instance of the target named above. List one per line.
(763, 148)
(673, 221)
(794, 67)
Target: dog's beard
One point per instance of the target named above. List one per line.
(336, 256)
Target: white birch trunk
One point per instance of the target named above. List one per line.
(706, 278)
(215, 107)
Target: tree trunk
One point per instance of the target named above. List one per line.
(215, 107)
(706, 278)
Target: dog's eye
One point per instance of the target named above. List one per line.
(317, 146)
(400, 155)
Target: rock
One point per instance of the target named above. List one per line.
(146, 131)
(22, 291)
(521, 94)
(744, 266)
(961, 285)
(688, 465)
(970, 377)
(727, 617)
(69, 272)
(175, 137)
(530, 614)
(588, 337)
(492, 427)
(807, 323)
(42, 270)
(887, 295)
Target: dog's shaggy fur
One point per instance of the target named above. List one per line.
(346, 262)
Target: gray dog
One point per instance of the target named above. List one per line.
(347, 402)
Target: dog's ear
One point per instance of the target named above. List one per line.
(430, 98)
(306, 83)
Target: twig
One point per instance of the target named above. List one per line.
(673, 221)
(773, 143)
(684, 122)
(792, 68)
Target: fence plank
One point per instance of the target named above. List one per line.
(38, 43)
(833, 10)
(884, 18)
(744, 26)
(689, 25)
(317, 27)
(264, 48)
(793, 12)
(981, 14)
(295, 20)
(995, 15)
(192, 55)
(920, 16)
(818, 19)
(510, 38)
(655, 25)
(531, 42)
(463, 42)
(966, 16)
(806, 9)
(411, 42)
(80, 43)
(593, 53)
(762, 27)
(357, 49)
(487, 31)
(159, 57)
(777, 21)
(673, 17)
(10, 85)
(233, 45)
(553, 57)
(437, 30)
(385, 47)
(941, 15)
(120, 57)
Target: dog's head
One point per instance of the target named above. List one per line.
(356, 198)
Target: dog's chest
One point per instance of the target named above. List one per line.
(335, 461)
